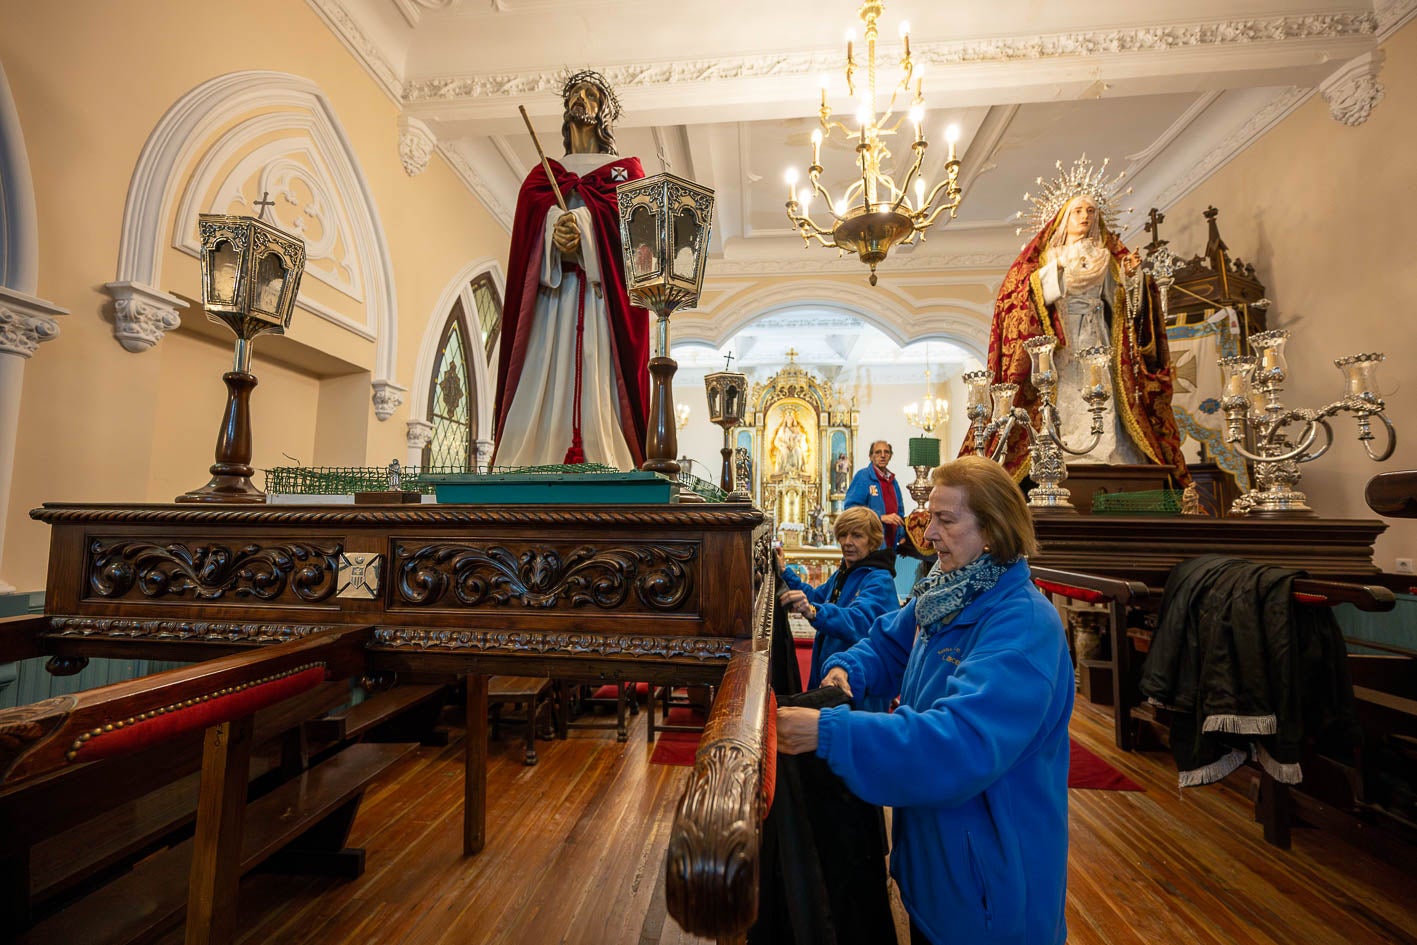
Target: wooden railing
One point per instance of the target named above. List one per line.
(711, 870)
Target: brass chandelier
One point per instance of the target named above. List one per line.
(874, 213)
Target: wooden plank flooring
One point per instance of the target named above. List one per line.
(575, 851)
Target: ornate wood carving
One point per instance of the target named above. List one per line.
(712, 861)
(494, 575)
(24, 727)
(65, 665)
(212, 571)
(118, 628)
(571, 644)
(711, 868)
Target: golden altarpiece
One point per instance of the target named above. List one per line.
(800, 432)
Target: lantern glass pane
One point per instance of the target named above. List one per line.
(226, 263)
(686, 235)
(643, 245)
(270, 281)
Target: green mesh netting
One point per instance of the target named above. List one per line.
(347, 480)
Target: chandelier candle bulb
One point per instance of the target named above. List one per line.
(952, 136)
(817, 139)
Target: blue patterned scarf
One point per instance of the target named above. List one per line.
(940, 596)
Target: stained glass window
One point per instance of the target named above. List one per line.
(489, 311)
(450, 407)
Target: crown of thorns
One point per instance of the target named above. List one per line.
(610, 104)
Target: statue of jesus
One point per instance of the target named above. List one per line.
(572, 374)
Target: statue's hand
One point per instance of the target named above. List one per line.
(1130, 262)
(567, 235)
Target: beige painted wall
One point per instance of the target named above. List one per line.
(1324, 212)
(101, 424)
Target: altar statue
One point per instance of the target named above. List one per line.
(1076, 282)
(572, 375)
(789, 443)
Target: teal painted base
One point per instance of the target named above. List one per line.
(624, 488)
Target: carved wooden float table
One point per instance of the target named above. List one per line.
(664, 594)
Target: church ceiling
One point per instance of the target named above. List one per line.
(727, 92)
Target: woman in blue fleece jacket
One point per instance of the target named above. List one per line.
(844, 606)
(975, 760)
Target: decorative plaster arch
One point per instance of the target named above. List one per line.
(19, 226)
(190, 125)
(458, 287)
(962, 323)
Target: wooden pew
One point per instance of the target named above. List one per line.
(220, 700)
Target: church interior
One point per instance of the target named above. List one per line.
(414, 665)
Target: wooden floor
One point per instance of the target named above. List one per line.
(576, 844)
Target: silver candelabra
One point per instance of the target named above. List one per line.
(1285, 437)
(993, 416)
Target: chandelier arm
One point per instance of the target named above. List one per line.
(1391, 440)
(905, 188)
(831, 205)
(1328, 440)
(1305, 442)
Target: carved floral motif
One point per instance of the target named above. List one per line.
(25, 726)
(704, 649)
(122, 628)
(542, 577)
(212, 571)
(1002, 49)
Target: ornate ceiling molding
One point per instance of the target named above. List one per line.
(1155, 39)
(1354, 90)
(357, 42)
(1392, 16)
(1232, 145)
(826, 263)
(478, 185)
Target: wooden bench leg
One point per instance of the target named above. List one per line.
(216, 849)
(1274, 809)
(475, 767)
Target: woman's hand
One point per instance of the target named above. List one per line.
(837, 677)
(795, 601)
(796, 730)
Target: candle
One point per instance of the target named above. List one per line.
(1045, 361)
(791, 177)
(1094, 374)
(1270, 359)
(1236, 386)
(952, 135)
(816, 146)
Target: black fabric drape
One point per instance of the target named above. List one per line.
(823, 868)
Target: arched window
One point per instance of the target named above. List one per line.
(489, 311)
(450, 407)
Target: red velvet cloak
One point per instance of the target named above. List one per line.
(1142, 378)
(629, 325)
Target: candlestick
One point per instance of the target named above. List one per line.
(817, 141)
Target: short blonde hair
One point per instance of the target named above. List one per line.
(996, 502)
(863, 520)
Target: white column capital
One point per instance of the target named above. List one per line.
(416, 144)
(1354, 90)
(26, 322)
(388, 396)
(420, 434)
(142, 314)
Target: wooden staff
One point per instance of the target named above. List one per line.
(545, 164)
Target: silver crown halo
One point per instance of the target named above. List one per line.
(1083, 179)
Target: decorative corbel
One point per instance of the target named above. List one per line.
(416, 144)
(1354, 90)
(142, 314)
(388, 397)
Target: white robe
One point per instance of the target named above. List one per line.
(1085, 325)
(537, 431)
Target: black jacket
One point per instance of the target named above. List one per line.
(1245, 668)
